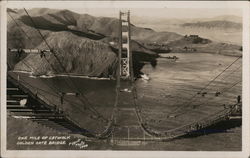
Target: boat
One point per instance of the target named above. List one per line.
(145, 77)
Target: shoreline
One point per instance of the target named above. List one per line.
(59, 75)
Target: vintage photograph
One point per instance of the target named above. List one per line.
(147, 79)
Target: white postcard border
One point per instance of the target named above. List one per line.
(130, 4)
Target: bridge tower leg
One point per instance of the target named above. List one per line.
(125, 56)
(125, 71)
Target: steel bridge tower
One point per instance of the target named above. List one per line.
(125, 56)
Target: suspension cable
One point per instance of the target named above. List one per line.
(116, 102)
(20, 27)
(209, 99)
(191, 99)
(13, 19)
(64, 69)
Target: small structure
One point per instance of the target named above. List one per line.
(21, 51)
(193, 36)
(189, 49)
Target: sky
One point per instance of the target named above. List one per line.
(162, 12)
(160, 9)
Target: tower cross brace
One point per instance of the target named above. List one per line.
(125, 56)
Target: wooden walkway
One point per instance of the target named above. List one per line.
(38, 110)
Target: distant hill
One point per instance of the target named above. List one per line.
(197, 44)
(147, 21)
(228, 30)
(80, 36)
(231, 18)
(65, 30)
(215, 25)
(65, 20)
